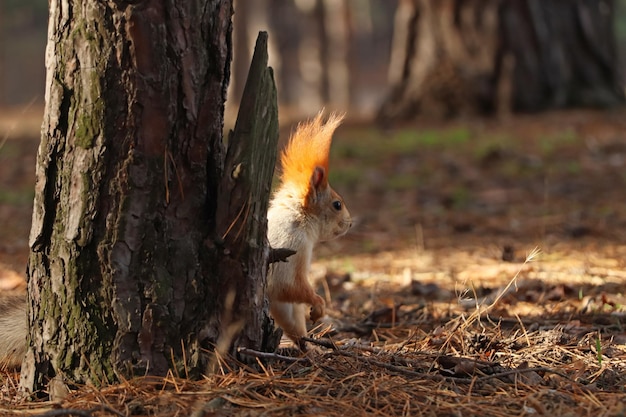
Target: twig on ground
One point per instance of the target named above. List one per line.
(327, 343)
(523, 370)
(394, 368)
(272, 356)
(79, 413)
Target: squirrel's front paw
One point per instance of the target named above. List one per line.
(318, 310)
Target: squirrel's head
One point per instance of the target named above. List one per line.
(305, 170)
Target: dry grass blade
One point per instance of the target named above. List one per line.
(482, 309)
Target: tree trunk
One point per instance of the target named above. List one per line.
(126, 270)
(442, 53)
(241, 218)
(336, 29)
(287, 25)
(332, 31)
(564, 51)
(250, 17)
(479, 56)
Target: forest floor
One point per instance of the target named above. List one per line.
(485, 275)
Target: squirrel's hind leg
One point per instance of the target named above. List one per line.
(291, 317)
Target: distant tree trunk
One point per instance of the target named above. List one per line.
(331, 17)
(287, 29)
(337, 35)
(250, 17)
(148, 243)
(319, 43)
(565, 53)
(478, 56)
(241, 49)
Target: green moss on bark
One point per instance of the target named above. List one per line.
(90, 114)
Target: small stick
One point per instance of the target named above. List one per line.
(394, 368)
(79, 413)
(279, 255)
(270, 355)
(327, 343)
(519, 371)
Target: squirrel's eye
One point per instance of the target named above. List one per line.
(337, 205)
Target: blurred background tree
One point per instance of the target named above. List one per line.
(394, 58)
(480, 56)
(23, 28)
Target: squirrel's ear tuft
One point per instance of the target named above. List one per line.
(319, 180)
(317, 186)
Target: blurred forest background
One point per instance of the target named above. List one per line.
(393, 58)
(501, 118)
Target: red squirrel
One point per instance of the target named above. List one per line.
(303, 211)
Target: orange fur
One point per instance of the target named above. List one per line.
(307, 149)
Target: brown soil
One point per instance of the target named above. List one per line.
(484, 276)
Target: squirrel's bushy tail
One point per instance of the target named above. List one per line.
(307, 149)
(13, 330)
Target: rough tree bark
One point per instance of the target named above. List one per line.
(481, 56)
(241, 217)
(133, 267)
